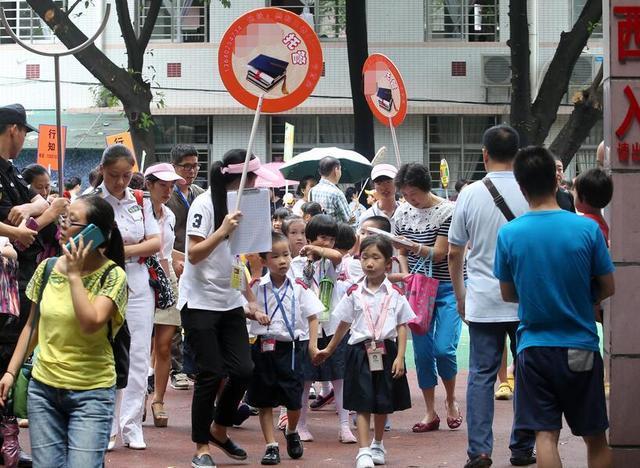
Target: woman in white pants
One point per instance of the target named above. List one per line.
(140, 234)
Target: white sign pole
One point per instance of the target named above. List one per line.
(254, 128)
(395, 142)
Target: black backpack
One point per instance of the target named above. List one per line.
(119, 343)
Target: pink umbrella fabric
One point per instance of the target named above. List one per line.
(279, 180)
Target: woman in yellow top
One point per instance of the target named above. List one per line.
(72, 392)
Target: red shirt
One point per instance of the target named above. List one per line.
(602, 223)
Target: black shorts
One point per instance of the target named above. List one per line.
(548, 385)
(274, 382)
(332, 368)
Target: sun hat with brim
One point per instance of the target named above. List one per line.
(383, 170)
(15, 114)
(254, 166)
(164, 171)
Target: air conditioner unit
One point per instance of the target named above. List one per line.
(496, 77)
(581, 77)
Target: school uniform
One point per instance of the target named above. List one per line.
(368, 391)
(278, 350)
(135, 224)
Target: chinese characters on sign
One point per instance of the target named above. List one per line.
(628, 32)
(47, 146)
(124, 138)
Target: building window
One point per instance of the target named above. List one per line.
(178, 20)
(458, 139)
(329, 16)
(25, 23)
(576, 8)
(311, 131)
(464, 20)
(585, 157)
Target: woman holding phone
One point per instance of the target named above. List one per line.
(140, 235)
(72, 392)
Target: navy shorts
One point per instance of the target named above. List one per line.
(552, 382)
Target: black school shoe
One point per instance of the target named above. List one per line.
(294, 445)
(480, 461)
(229, 447)
(271, 456)
(524, 460)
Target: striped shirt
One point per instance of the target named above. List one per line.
(332, 200)
(424, 225)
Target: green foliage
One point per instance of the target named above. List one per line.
(102, 97)
(146, 121)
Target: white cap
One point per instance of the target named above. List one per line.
(383, 170)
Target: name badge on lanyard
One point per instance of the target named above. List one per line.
(236, 274)
(267, 345)
(375, 347)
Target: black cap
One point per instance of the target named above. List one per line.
(15, 114)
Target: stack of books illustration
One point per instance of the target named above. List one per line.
(385, 99)
(265, 72)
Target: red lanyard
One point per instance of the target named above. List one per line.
(376, 329)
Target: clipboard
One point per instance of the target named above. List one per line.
(253, 234)
(390, 236)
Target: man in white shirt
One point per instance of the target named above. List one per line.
(383, 176)
(476, 221)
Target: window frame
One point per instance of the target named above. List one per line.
(464, 34)
(174, 25)
(31, 18)
(316, 4)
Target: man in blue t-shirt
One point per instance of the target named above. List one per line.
(555, 264)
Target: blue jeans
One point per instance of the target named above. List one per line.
(436, 351)
(485, 356)
(69, 428)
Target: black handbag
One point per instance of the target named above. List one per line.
(160, 283)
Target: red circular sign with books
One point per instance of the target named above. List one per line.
(384, 90)
(270, 51)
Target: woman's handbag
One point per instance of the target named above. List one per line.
(160, 283)
(9, 297)
(421, 292)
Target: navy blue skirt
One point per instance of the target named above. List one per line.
(331, 369)
(374, 392)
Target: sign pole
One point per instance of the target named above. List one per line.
(396, 148)
(56, 66)
(254, 128)
(379, 154)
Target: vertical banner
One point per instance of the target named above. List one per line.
(125, 139)
(47, 146)
(289, 131)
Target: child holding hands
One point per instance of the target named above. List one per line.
(376, 312)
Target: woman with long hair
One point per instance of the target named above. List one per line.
(72, 392)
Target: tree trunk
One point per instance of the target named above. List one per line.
(358, 51)
(521, 118)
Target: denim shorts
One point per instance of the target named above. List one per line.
(552, 382)
(69, 428)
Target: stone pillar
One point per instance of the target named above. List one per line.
(622, 139)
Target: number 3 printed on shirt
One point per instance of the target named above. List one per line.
(197, 221)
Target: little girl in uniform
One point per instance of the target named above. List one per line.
(293, 227)
(376, 312)
(278, 351)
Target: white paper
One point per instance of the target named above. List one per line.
(390, 236)
(253, 234)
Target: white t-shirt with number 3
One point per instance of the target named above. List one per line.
(207, 284)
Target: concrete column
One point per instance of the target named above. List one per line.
(622, 140)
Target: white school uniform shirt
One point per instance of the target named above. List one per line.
(135, 223)
(167, 223)
(306, 305)
(296, 267)
(351, 310)
(207, 284)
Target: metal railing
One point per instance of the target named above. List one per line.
(178, 21)
(26, 24)
(462, 20)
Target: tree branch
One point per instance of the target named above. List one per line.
(149, 23)
(556, 79)
(70, 9)
(520, 77)
(129, 36)
(586, 113)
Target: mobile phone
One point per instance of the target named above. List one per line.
(30, 224)
(90, 233)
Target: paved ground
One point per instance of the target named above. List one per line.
(171, 446)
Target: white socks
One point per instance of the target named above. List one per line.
(343, 414)
(305, 405)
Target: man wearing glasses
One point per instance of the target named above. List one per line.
(185, 161)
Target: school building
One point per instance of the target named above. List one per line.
(452, 54)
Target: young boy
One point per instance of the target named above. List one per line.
(545, 260)
(309, 210)
(278, 351)
(594, 189)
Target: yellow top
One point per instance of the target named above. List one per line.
(67, 357)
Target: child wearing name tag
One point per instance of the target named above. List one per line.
(321, 232)
(279, 349)
(376, 312)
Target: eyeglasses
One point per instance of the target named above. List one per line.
(188, 167)
(66, 222)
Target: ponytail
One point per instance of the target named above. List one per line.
(220, 183)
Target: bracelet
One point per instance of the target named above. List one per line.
(11, 374)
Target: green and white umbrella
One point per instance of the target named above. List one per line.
(355, 167)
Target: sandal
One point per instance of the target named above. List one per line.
(160, 417)
(454, 423)
(432, 425)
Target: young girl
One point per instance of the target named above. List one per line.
(293, 227)
(278, 217)
(279, 348)
(321, 234)
(212, 311)
(376, 313)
